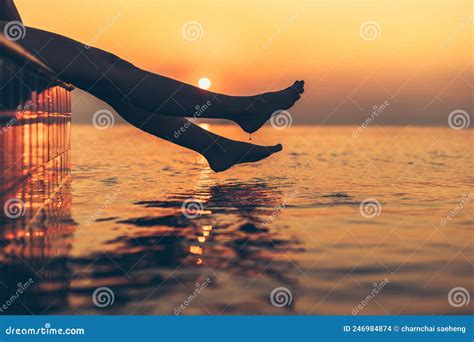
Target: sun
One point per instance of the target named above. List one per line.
(204, 83)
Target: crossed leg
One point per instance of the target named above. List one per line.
(220, 152)
(104, 75)
(152, 102)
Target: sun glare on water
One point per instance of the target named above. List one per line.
(204, 83)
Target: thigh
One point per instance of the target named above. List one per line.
(71, 60)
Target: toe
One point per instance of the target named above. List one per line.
(297, 84)
(299, 87)
(292, 89)
(275, 148)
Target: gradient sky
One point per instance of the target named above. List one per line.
(420, 60)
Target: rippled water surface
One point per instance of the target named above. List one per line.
(291, 221)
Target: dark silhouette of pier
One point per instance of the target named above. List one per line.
(35, 158)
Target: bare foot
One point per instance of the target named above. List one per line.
(263, 106)
(229, 153)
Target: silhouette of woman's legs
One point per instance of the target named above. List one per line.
(102, 74)
(221, 153)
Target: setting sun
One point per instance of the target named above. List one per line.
(204, 83)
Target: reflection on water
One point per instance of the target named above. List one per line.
(34, 252)
(169, 252)
(36, 228)
(293, 222)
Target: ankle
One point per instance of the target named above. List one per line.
(235, 106)
(215, 149)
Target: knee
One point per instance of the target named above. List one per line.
(104, 60)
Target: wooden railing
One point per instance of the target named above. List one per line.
(35, 120)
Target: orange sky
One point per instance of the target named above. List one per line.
(420, 60)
